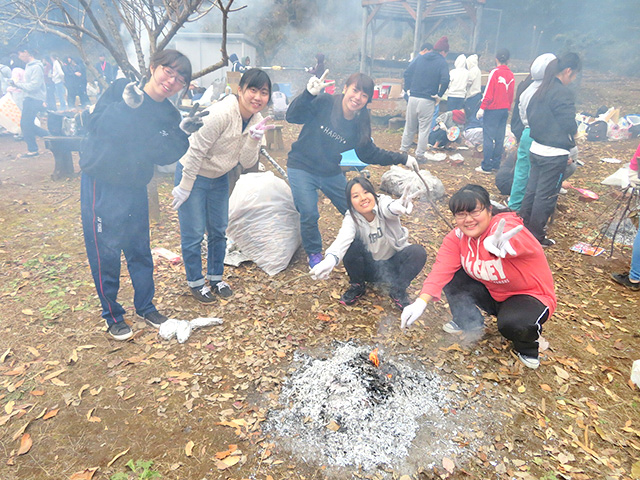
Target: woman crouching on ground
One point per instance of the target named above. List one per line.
(492, 262)
(372, 244)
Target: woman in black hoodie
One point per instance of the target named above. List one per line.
(551, 114)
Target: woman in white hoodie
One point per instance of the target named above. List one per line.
(474, 87)
(457, 90)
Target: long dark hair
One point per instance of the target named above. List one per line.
(175, 60)
(568, 60)
(363, 118)
(366, 185)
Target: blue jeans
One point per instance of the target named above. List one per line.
(494, 125)
(61, 93)
(207, 208)
(304, 187)
(634, 273)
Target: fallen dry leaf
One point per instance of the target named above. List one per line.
(51, 414)
(86, 474)
(59, 383)
(188, 449)
(113, 460)
(448, 464)
(37, 393)
(227, 462)
(25, 444)
(333, 426)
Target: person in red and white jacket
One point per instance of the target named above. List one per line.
(631, 279)
(492, 262)
(495, 106)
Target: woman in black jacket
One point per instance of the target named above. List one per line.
(551, 114)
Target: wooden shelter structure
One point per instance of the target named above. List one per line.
(425, 16)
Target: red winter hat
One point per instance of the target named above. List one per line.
(442, 45)
(459, 116)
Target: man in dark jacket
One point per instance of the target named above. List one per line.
(426, 79)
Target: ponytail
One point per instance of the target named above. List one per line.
(568, 60)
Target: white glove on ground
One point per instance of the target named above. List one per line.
(411, 163)
(498, 243)
(412, 312)
(633, 178)
(323, 269)
(133, 94)
(257, 131)
(181, 329)
(180, 195)
(315, 85)
(480, 114)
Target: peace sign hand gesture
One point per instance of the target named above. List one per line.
(257, 131)
(498, 243)
(315, 85)
(193, 121)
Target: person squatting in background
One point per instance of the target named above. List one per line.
(130, 130)
(494, 110)
(35, 94)
(474, 87)
(230, 136)
(492, 262)
(373, 245)
(458, 85)
(631, 279)
(426, 79)
(331, 124)
(551, 115)
(443, 132)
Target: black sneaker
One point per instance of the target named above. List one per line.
(353, 294)
(203, 294)
(547, 242)
(155, 318)
(120, 331)
(399, 298)
(222, 288)
(623, 279)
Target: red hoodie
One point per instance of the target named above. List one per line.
(634, 160)
(499, 90)
(526, 273)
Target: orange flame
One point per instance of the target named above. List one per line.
(373, 357)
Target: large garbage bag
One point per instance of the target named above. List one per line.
(263, 222)
(396, 178)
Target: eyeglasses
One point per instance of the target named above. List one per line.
(474, 214)
(171, 73)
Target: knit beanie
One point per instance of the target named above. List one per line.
(459, 116)
(442, 45)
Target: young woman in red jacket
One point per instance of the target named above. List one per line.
(492, 262)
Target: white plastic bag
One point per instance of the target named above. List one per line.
(396, 178)
(618, 179)
(263, 220)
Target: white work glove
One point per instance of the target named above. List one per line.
(634, 182)
(412, 312)
(436, 99)
(411, 163)
(480, 114)
(181, 329)
(404, 205)
(573, 154)
(315, 85)
(322, 270)
(498, 243)
(193, 121)
(180, 195)
(257, 131)
(133, 94)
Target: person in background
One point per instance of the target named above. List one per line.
(494, 110)
(318, 68)
(5, 75)
(442, 134)
(132, 129)
(247, 63)
(50, 102)
(426, 79)
(458, 85)
(57, 77)
(331, 124)
(75, 79)
(522, 166)
(490, 261)
(35, 94)
(551, 115)
(236, 65)
(474, 87)
(230, 136)
(631, 279)
(373, 245)
(106, 71)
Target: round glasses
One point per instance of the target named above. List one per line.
(474, 214)
(171, 73)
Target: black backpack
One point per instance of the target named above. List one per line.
(597, 131)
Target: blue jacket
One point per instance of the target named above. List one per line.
(427, 76)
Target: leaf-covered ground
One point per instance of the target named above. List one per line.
(78, 405)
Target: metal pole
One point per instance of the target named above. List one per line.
(363, 46)
(498, 31)
(476, 28)
(417, 31)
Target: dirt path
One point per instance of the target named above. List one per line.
(83, 402)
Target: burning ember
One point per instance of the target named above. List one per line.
(373, 357)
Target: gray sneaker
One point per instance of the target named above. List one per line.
(120, 331)
(527, 361)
